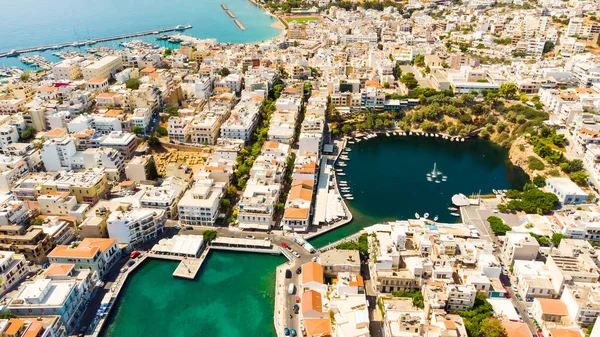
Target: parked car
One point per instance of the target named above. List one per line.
(529, 314)
(296, 254)
(286, 331)
(289, 249)
(299, 270)
(293, 333)
(130, 263)
(296, 309)
(284, 245)
(134, 254)
(288, 273)
(250, 237)
(514, 287)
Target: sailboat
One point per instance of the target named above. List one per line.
(435, 174)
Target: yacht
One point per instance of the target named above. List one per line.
(454, 214)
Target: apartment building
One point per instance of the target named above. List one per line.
(57, 153)
(566, 190)
(68, 69)
(13, 268)
(87, 187)
(460, 297)
(56, 203)
(566, 270)
(95, 254)
(583, 303)
(533, 279)
(135, 226)
(242, 121)
(200, 204)
(124, 142)
(179, 128)
(106, 67)
(519, 246)
(32, 243)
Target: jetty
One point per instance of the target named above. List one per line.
(239, 24)
(93, 41)
(224, 7)
(231, 15)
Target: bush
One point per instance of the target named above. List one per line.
(580, 178)
(210, 235)
(539, 181)
(498, 226)
(533, 201)
(535, 164)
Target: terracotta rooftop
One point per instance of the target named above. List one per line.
(312, 272)
(553, 307)
(96, 80)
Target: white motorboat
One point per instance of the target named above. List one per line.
(343, 182)
(341, 174)
(350, 198)
(348, 195)
(437, 181)
(452, 209)
(417, 216)
(435, 218)
(429, 179)
(426, 215)
(339, 170)
(454, 214)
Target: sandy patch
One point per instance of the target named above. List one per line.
(277, 24)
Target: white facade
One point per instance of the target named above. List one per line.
(200, 204)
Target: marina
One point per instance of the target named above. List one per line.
(16, 52)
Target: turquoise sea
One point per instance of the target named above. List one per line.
(233, 293)
(29, 23)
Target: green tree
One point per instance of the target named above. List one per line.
(162, 132)
(225, 204)
(167, 52)
(138, 130)
(508, 90)
(28, 133)
(133, 83)
(37, 221)
(498, 226)
(420, 60)
(224, 71)
(557, 238)
(209, 235)
(492, 327)
(580, 178)
(409, 80)
(25, 76)
(150, 169)
(548, 46)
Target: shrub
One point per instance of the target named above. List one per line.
(535, 164)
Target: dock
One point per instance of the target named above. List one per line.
(231, 15)
(188, 268)
(224, 7)
(239, 24)
(93, 41)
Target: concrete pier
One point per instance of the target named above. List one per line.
(93, 41)
(239, 24)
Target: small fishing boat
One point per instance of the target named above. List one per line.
(343, 182)
(339, 170)
(495, 192)
(426, 215)
(350, 198)
(342, 164)
(454, 214)
(437, 181)
(417, 216)
(341, 174)
(435, 218)
(452, 209)
(348, 195)
(429, 179)
(348, 149)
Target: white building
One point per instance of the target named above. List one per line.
(135, 226)
(13, 267)
(567, 191)
(200, 204)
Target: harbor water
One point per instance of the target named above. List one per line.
(233, 293)
(31, 23)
